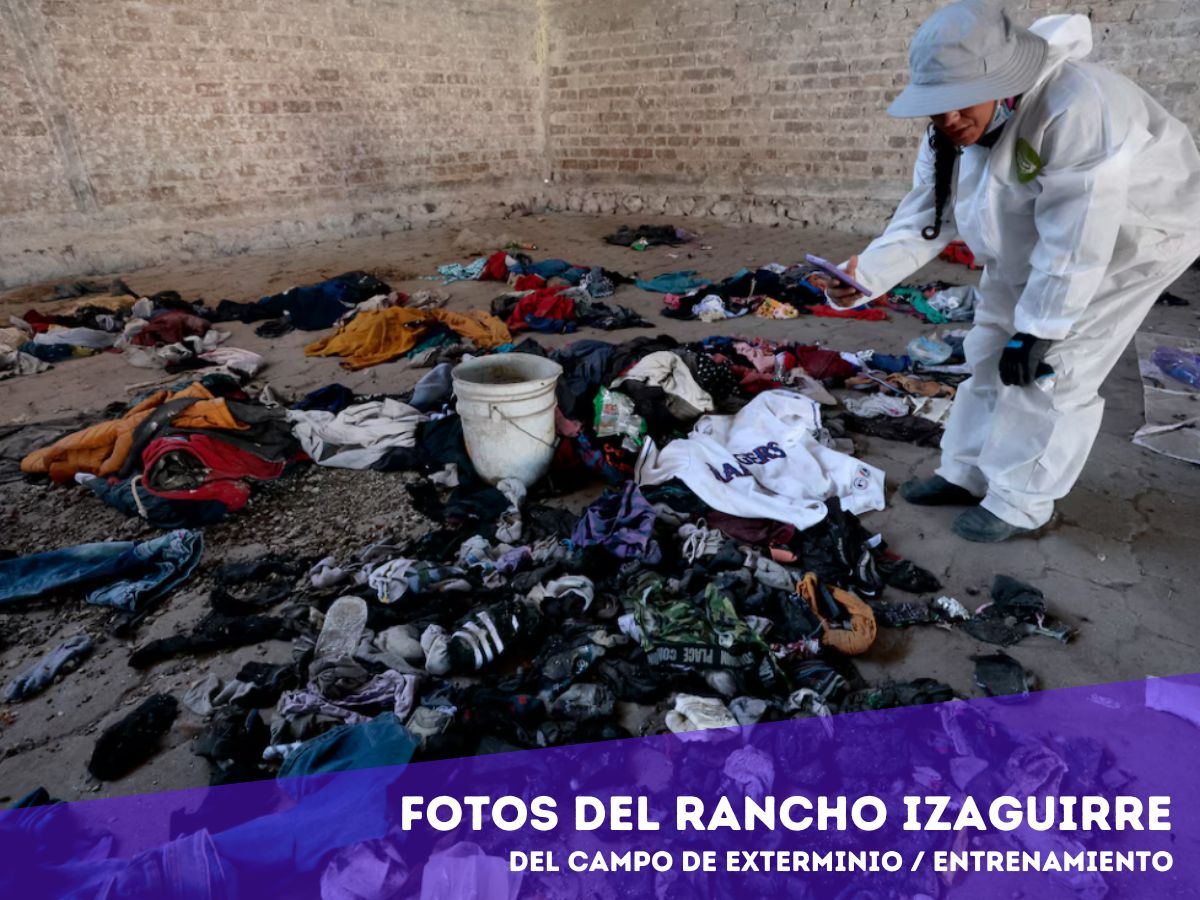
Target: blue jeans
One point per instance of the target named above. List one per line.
(123, 574)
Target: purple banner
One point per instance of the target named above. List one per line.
(1086, 792)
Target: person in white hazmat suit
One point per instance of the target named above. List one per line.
(1080, 197)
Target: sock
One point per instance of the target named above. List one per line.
(39, 677)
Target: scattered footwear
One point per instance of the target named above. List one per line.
(936, 491)
(479, 639)
(699, 541)
(1000, 675)
(130, 742)
(982, 527)
(1017, 610)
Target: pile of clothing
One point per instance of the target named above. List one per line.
(551, 296)
(517, 625)
(613, 397)
(179, 340)
(339, 429)
(723, 578)
(380, 335)
(13, 358)
(524, 274)
(936, 302)
(903, 397)
(773, 291)
(77, 320)
(165, 331)
(899, 405)
(561, 310)
(181, 457)
(776, 291)
(159, 331)
(312, 307)
(339, 838)
(645, 236)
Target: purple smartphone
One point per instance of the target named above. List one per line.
(830, 269)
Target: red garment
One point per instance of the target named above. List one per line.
(541, 304)
(958, 252)
(225, 468)
(170, 328)
(41, 324)
(824, 364)
(903, 308)
(567, 471)
(566, 427)
(866, 313)
(754, 382)
(761, 532)
(529, 283)
(496, 268)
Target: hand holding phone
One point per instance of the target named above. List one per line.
(844, 289)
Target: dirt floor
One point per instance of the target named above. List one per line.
(1120, 562)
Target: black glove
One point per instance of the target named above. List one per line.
(1021, 361)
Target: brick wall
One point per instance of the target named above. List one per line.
(134, 130)
(774, 111)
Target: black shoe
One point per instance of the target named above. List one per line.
(936, 491)
(982, 527)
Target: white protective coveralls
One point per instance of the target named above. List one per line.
(1077, 255)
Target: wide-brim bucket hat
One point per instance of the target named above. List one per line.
(968, 53)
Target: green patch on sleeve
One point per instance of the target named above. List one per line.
(1029, 164)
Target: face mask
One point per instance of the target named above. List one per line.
(1005, 110)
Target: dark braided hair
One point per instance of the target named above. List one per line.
(945, 154)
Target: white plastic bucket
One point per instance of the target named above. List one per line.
(506, 402)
